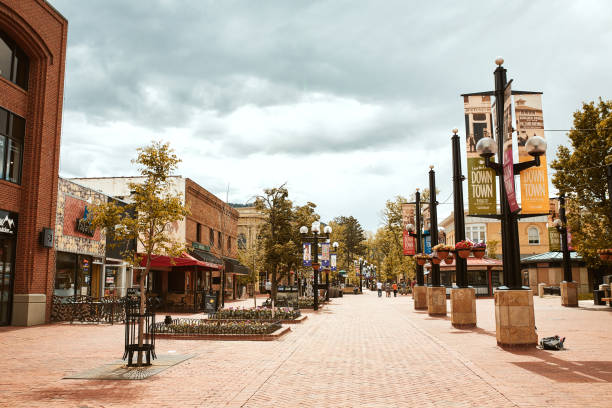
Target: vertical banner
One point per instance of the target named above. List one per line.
(508, 157)
(325, 254)
(534, 181)
(481, 179)
(307, 261)
(554, 240)
(408, 214)
(409, 244)
(333, 262)
(427, 246)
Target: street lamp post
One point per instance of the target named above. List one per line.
(463, 311)
(361, 263)
(512, 296)
(569, 288)
(314, 240)
(419, 292)
(436, 293)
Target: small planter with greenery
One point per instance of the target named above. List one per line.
(479, 250)
(442, 250)
(194, 327)
(421, 259)
(260, 313)
(605, 254)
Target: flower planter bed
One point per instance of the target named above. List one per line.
(219, 330)
(297, 320)
(257, 314)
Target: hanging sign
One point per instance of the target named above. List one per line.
(508, 154)
(332, 262)
(427, 242)
(409, 244)
(8, 223)
(325, 254)
(534, 181)
(307, 261)
(481, 179)
(554, 240)
(408, 214)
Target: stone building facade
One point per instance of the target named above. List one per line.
(32, 58)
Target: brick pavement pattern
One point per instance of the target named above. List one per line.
(359, 351)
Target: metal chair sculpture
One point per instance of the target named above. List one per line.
(132, 318)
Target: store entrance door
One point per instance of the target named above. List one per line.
(7, 266)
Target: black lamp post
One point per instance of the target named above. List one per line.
(361, 263)
(418, 235)
(487, 147)
(609, 176)
(460, 263)
(314, 240)
(561, 226)
(433, 216)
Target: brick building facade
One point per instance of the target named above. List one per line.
(32, 58)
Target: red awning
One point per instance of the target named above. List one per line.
(184, 260)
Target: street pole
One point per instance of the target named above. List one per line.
(433, 214)
(460, 263)
(609, 174)
(360, 275)
(327, 284)
(419, 238)
(567, 269)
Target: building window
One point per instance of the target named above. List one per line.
(211, 237)
(198, 232)
(241, 241)
(219, 240)
(533, 235)
(476, 232)
(229, 243)
(14, 63)
(12, 135)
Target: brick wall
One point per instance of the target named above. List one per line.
(210, 212)
(41, 32)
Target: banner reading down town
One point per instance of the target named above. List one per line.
(534, 181)
(481, 179)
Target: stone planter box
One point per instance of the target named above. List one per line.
(291, 321)
(232, 337)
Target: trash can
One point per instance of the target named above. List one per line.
(597, 295)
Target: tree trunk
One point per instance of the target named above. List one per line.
(274, 284)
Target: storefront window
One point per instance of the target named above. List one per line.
(112, 281)
(7, 261)
(14, 63)
(72, 274)
(176, 281)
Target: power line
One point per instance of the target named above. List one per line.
(574, 130)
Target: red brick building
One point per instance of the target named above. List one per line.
(32, 58)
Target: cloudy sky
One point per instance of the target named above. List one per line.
(348, 102)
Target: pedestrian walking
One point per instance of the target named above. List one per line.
(379, 287)
(394, 289)
(388, 289)
(403, 290)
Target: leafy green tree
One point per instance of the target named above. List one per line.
(350, 238)
(156, 208)
(581, 176)
(391, 244)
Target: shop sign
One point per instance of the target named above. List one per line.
(201, 247)
(8, 223)
(84, 224)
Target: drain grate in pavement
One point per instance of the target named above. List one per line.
(117, 370)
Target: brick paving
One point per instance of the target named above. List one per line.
(358, 351)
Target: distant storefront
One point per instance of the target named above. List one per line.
(8, 243)
(80, 250)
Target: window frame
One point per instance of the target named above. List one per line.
(479, 228)
(12, 143)
(537, 230)
(17, 58)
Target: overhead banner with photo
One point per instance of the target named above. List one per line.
(534, 181)
(481, 179)
(325, 254)
(409, 244)
(307, 261)
(333, 262)
(508, 153)
(408, 214)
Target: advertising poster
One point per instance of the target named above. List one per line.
(534, 181)
(409, 244)
(333, 262)
(307, 260)
(508, 154)
(481, 179)
(325, 254)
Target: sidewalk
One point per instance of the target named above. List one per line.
(358, 351)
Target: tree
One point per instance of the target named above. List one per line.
(350, 238)
(390, 242)
(252, 257)
(152, 208)
(581, 176)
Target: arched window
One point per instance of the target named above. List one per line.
(533, 234)
(14, 63)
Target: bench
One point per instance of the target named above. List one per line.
(552, 290)
(607, 299)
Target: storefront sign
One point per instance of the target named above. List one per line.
(481, 179)
(307, 261)
(197, 245)
(84, 224)
(409, 244)
(534, 181)
(8, 223)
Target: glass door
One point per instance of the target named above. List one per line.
(7, 253)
